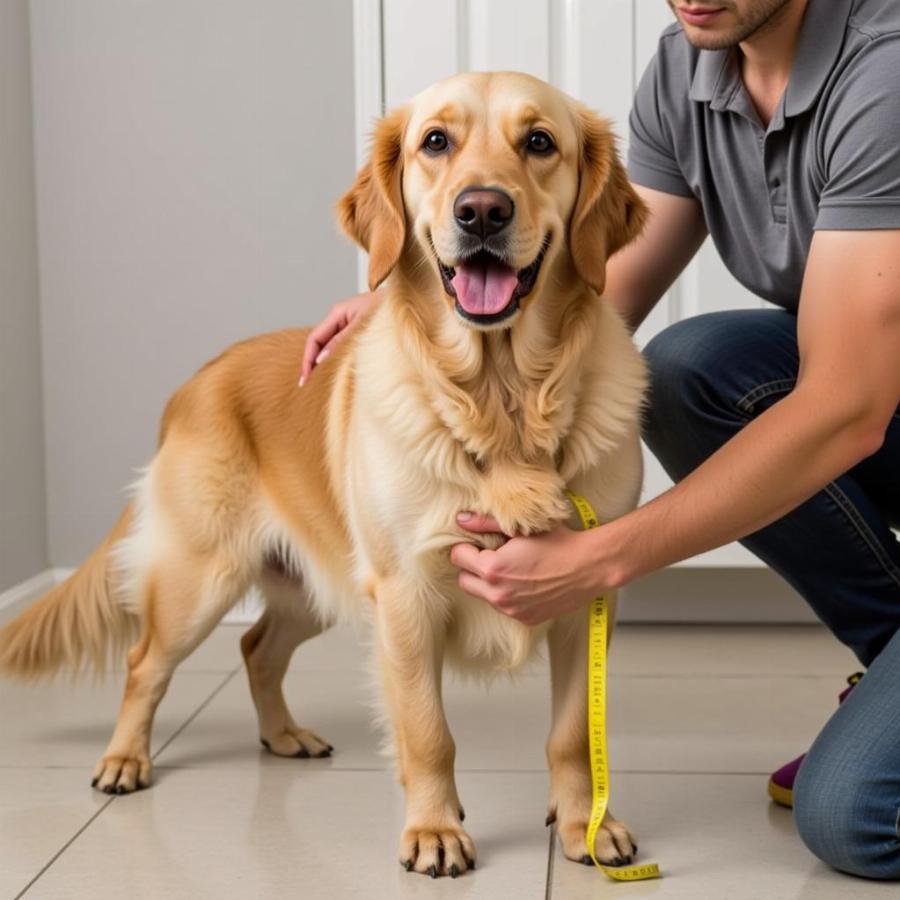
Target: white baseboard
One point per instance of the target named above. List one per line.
(677, 595)
(13, 600)
(714, 596)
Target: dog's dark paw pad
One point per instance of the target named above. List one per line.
(302, 753)
(407, 864)
(323, 754)
(95, 782)
(454, 870)
(551, 818)
(586, 859)
(266, 744)
(432, 871)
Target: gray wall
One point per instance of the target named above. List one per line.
(188, 156)
(23, 544)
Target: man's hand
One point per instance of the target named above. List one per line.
(331, 329)
(532, 578)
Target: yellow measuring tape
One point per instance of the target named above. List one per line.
(597, 720)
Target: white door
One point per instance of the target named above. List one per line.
(595, 50)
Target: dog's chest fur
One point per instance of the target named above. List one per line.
(423, 446)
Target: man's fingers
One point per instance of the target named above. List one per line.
(465, 556)
(473, 585)
(318, 338)
(479, 524)
(335, 340)
(470, 558)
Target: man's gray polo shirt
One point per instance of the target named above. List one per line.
(829, 159)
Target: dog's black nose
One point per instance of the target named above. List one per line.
(483, 211)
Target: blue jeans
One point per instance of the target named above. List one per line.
(710, 376)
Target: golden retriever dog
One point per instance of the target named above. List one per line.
(492, 376)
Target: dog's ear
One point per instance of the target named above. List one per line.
(608, 212)
(371, 212)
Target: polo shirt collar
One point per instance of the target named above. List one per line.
(715, 77)
(717, 74)
(821, 39)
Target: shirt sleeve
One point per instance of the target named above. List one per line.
(651, 151)
(859, 144)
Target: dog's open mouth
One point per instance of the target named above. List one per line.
(486, 288)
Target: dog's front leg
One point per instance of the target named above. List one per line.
(410, 654)
(568, 750)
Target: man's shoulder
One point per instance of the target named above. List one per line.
(869, 62)
(674, 44)
(873, 19)
(674, 61)
(673, 30)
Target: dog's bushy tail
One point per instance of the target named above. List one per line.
(76, 625)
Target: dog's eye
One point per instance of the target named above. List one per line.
(436, 141)
(539, 142)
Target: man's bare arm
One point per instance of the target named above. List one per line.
(639, 274)
(848, 389)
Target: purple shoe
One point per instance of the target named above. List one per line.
(781, 784)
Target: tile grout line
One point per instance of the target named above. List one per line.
(106, 805)
(62, 850)
(551, 846)
(198, 710)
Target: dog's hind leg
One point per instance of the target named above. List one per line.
(267, 649)
(568, 750)
(183, 598)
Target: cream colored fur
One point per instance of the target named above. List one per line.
(342, 496)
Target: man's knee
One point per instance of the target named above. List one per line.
(689, 378)
(845, 818)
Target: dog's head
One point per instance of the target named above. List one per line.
(491, 184)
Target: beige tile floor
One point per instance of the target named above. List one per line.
(699, 715)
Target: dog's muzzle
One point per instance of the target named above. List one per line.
(486, 288)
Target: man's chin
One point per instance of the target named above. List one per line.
(704, 40)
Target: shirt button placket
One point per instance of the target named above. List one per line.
(775, 175)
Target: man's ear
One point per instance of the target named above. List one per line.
(371, 212)
(608, 212)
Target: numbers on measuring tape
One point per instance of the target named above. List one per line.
(596, 671)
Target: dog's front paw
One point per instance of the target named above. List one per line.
(614, 846)
(122, 774)
(440, 850)
(526, 500)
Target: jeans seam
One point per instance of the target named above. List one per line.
(761, 391)
(862, 528)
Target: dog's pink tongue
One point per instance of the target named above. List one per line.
(484, 288)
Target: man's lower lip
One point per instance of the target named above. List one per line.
(700, 16)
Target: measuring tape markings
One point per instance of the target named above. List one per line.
(597, 631)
